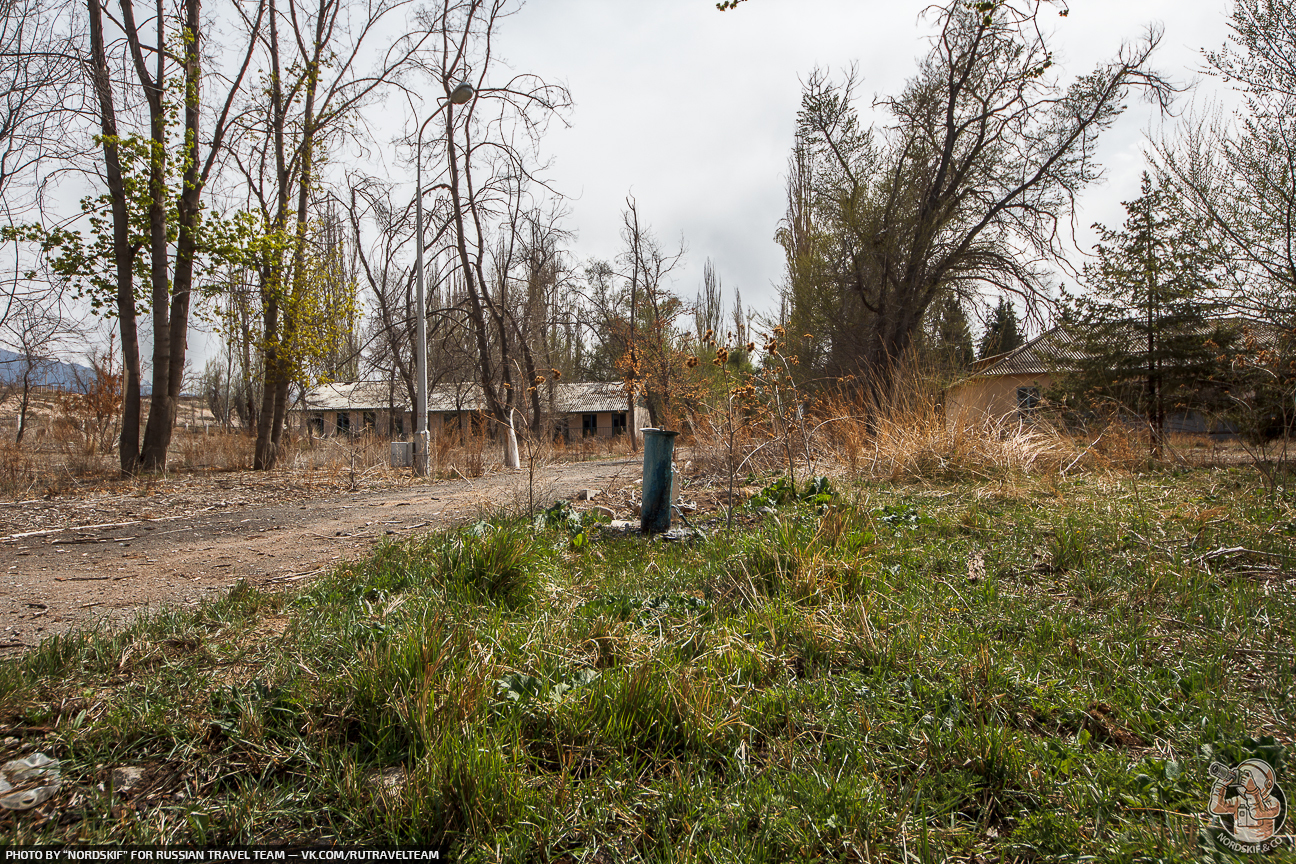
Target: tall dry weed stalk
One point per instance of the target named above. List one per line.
(759, 422)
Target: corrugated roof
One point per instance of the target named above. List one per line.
(1060, 349)
(352, 395)
(589, 397)
(581, 397)
(1048, 352)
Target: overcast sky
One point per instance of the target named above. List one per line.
(692, 110)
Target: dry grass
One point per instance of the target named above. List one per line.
(60, 455)
(904, 437)
(908, 438)
(918, 443)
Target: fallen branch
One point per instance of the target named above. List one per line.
(1239, 550)
(12, 538)
(1083, 453)
(297, 577)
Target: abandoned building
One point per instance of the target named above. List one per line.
(574, 410)
(1007, 388)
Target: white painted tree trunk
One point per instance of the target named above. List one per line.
(511, 459)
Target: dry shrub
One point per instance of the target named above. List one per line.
(905, 434)
(211, 450)
(751, 448)
(459, 453)
(338, 454)
(474, 458)
(19, 474)
(93, 409)
(902, 434)
(915, 441)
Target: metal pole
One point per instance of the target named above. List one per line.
(462, 92)
(420, 353)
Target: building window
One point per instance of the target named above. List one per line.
(589, 425)
(1027, 399)
(618, 422)
(398, 422)
(369, 419)
(343, 426)
(317, 423)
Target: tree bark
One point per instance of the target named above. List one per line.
(161, 406)
(123, 252)
(24, 404)
(157, 437)
(486, 374)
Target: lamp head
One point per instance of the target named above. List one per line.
(462, 92)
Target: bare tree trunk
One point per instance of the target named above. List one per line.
(264, 456)
(486, 374)
(277, 372)
(157, 437)
(24, 404)
(123, 252)
(162, 406)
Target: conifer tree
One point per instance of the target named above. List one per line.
(1001, 334)
(950, 336)
(1145, 330)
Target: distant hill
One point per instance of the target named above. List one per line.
(54, 374)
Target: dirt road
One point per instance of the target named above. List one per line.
(65, 566)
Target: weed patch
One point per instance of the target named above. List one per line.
(881, 673)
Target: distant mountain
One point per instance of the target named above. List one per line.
(55, 374)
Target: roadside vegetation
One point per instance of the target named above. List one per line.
(1025, 667)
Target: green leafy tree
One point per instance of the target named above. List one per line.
(1145, 330)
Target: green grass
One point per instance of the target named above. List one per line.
(1031, 672)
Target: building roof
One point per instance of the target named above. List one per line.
(1057, 348)
(351, 395)
(582, 397)
(1061, 349)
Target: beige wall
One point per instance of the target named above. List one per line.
(981, 400)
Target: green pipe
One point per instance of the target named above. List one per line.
(655, 515)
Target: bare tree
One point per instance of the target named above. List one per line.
(171, 276)
(487, 152)
(36, 329)
(970, 184)
(388, 275)
(40, 70)
(1240, 172)
(154, 201)
(648, 366)
(316, 54)
(707, 307)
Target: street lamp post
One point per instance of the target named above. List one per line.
(462, 92)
